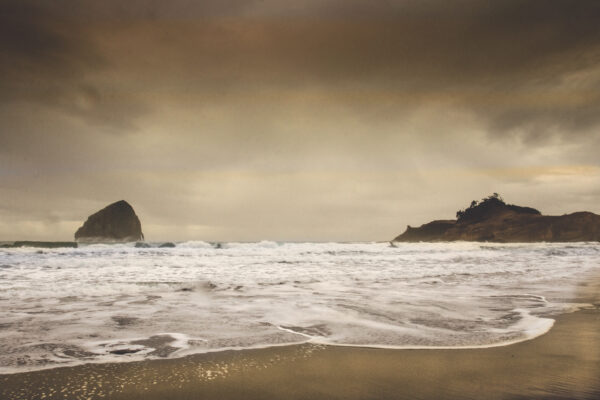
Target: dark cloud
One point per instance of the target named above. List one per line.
(51, 62)
(521, 66)
(486, 56)
(250, 114)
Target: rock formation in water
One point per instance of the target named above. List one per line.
(114, 223)
(493, 220)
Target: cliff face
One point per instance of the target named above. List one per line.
(116, 222)
(495, 221)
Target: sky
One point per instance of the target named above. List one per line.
(328, 120)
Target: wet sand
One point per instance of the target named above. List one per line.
(562, 364)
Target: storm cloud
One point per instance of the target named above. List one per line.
(267, 119)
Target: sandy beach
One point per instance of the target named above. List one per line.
(562, 364)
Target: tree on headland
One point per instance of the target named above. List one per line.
(489, 206)
(494, 198)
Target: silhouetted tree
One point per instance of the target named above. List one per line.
(476, 207)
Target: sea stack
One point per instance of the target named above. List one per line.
(116, 222)
(492, 220)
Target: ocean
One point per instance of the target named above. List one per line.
(116, 303)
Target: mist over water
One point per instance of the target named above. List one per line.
(101, 303)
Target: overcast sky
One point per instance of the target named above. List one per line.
(293, 120)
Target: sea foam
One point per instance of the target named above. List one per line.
(107, 303)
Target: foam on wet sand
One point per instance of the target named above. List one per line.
(562, 364)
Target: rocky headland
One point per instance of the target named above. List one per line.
(116, 222)
(492, 220)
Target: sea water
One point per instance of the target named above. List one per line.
(113, 303)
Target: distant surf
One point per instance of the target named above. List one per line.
(43, 245)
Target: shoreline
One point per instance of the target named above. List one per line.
(562, 363)
(550, 321)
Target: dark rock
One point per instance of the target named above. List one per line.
(116, 222)
(427, 232)
(142, 245)
(493, 220)
(168, 244)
